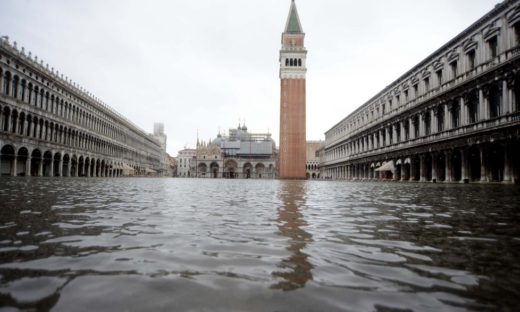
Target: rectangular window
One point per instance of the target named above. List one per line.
(397, 98)
(493, 47)
(471, 60)
(439, 77)
(416, 90)
(516, 28)
(454, 69)
(406, 96)
(426, 84)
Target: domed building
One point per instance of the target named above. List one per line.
(240, 154)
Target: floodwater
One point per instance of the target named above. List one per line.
(77, 244)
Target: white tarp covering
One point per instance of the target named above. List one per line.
(387, 166)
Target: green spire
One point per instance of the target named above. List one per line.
(293, 23)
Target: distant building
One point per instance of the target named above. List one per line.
(186, 162)
(160, 136)
(313, 160)
(240, 154)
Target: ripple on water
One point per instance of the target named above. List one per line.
(171, 244)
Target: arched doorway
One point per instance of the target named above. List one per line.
(36, 163)
(7, 160)
(474, 163)
(57, 160)
(65, 165)
(214, 169)
(260, 170)
(202, 169)
(230, 169)
(47, 164)
(247, 171)
(456, 165)
(81, 164)
(74, 166)
(21, 162)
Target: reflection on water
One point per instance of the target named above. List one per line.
(166, 244)
(296, 269)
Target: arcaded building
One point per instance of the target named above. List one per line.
(293, 71)
(49, 126)
(240, 154)
(454, 117)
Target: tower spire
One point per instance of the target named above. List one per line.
(293, 25)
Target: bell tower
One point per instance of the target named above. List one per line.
(292, 99)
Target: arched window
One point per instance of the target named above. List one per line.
(7, 82)
(16, 81)
(286, 62)
(291, 63)
(36, 91)
(29, 95)
(300, 62)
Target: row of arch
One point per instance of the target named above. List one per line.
(293, 62)
(486, 162)
(23, 161)
(232, 170)
(33, 95)
(34, 127)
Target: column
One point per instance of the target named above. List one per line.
(434, 167)
(60, 164)
(28, 166)
(51, 173)
(411, 127)
(13, 166)
(506, 107)
(482, 104)
(40, 168)
(463, 112)
(422, 168)
(483, 165)
(447, 119)
(449, 167)
(412, 169)
(69, 166)
(464, 166)
(434, 123)
(507, 164)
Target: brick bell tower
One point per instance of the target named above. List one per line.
(292, 99)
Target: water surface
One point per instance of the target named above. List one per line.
(243, 245)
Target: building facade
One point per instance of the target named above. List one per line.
(51, 127)
(293, 71)
(454, 117)
(186, 163)
(238, 155)
(313, 160)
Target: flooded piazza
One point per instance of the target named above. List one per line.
(250, 245)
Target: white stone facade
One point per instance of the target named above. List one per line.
(453, 117)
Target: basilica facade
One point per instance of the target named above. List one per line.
(454, 117)
(238, 155)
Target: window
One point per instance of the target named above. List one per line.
(440, 119)
(397, 100)
(406, 127)
(390, 134)
(427, 123)
(416, 126)
(416, 90)
(426, 84)
(439, 77)
(406, 96)
(455, 112)
(494, 102)
(398, 133)
(471, 59)
(493, 47)
(516, 28)
(473, 108)
(454, 70)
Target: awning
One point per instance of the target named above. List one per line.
(148, 170)
(387, 166)
(127, 167)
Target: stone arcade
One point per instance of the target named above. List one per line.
(51, 127)
(454, 117)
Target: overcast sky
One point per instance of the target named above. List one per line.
(205, 64)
